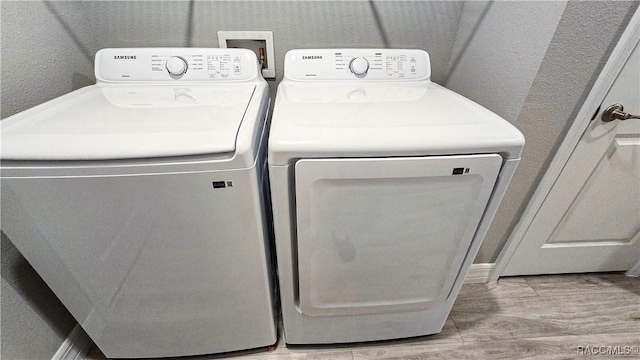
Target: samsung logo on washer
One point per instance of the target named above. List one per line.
(311, 57)
(124, 57)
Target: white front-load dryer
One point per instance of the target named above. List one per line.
(383, 186)
(140, 201)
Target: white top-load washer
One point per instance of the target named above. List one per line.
(140, 201)
(383, 186)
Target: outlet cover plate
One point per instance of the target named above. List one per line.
(224, 37)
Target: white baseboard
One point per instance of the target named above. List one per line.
(635, 270)
(479, 273)
(75, 346)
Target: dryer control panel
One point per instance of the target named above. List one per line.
(175, 64)
(357, 64)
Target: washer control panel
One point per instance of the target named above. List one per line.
(175, 64)
(357, 64)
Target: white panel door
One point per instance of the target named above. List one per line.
(386, 234)
(590, 220)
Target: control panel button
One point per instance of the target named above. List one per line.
(176, 66)
(359, 66)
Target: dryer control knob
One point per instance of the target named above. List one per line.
(359, 66)
(176, 66)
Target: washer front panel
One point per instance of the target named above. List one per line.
(140, 259)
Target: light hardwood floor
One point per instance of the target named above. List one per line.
(527, 317)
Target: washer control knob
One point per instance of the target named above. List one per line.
(176, 66)
(359, 66)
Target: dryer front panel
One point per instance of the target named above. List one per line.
(378, 235)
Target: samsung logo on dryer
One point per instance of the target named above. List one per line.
(124, 57)
(311, 57)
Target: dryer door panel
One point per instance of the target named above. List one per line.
(381, 235)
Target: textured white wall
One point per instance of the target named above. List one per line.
(428, 25)
(34, 322)
(579, 49)
(40, 60)
(47, 50)
(517, 63)
(532, 63)
(43, 55)
(498, 51)
(51, 52)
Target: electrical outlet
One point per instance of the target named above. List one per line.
(260, 42)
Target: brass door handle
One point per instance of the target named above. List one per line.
(615, 112)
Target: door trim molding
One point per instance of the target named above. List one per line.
(630, 37)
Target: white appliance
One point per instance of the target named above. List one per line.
(139, 200)
(383, 186)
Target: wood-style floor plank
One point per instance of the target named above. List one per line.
(602, 283)
(547, 348)
(529, 317)
(513, 287)
(319, 355)
(499, 319)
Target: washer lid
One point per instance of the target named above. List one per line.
(129, 121)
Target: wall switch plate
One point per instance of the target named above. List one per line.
(252, 40)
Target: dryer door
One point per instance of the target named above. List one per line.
(377, 235)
